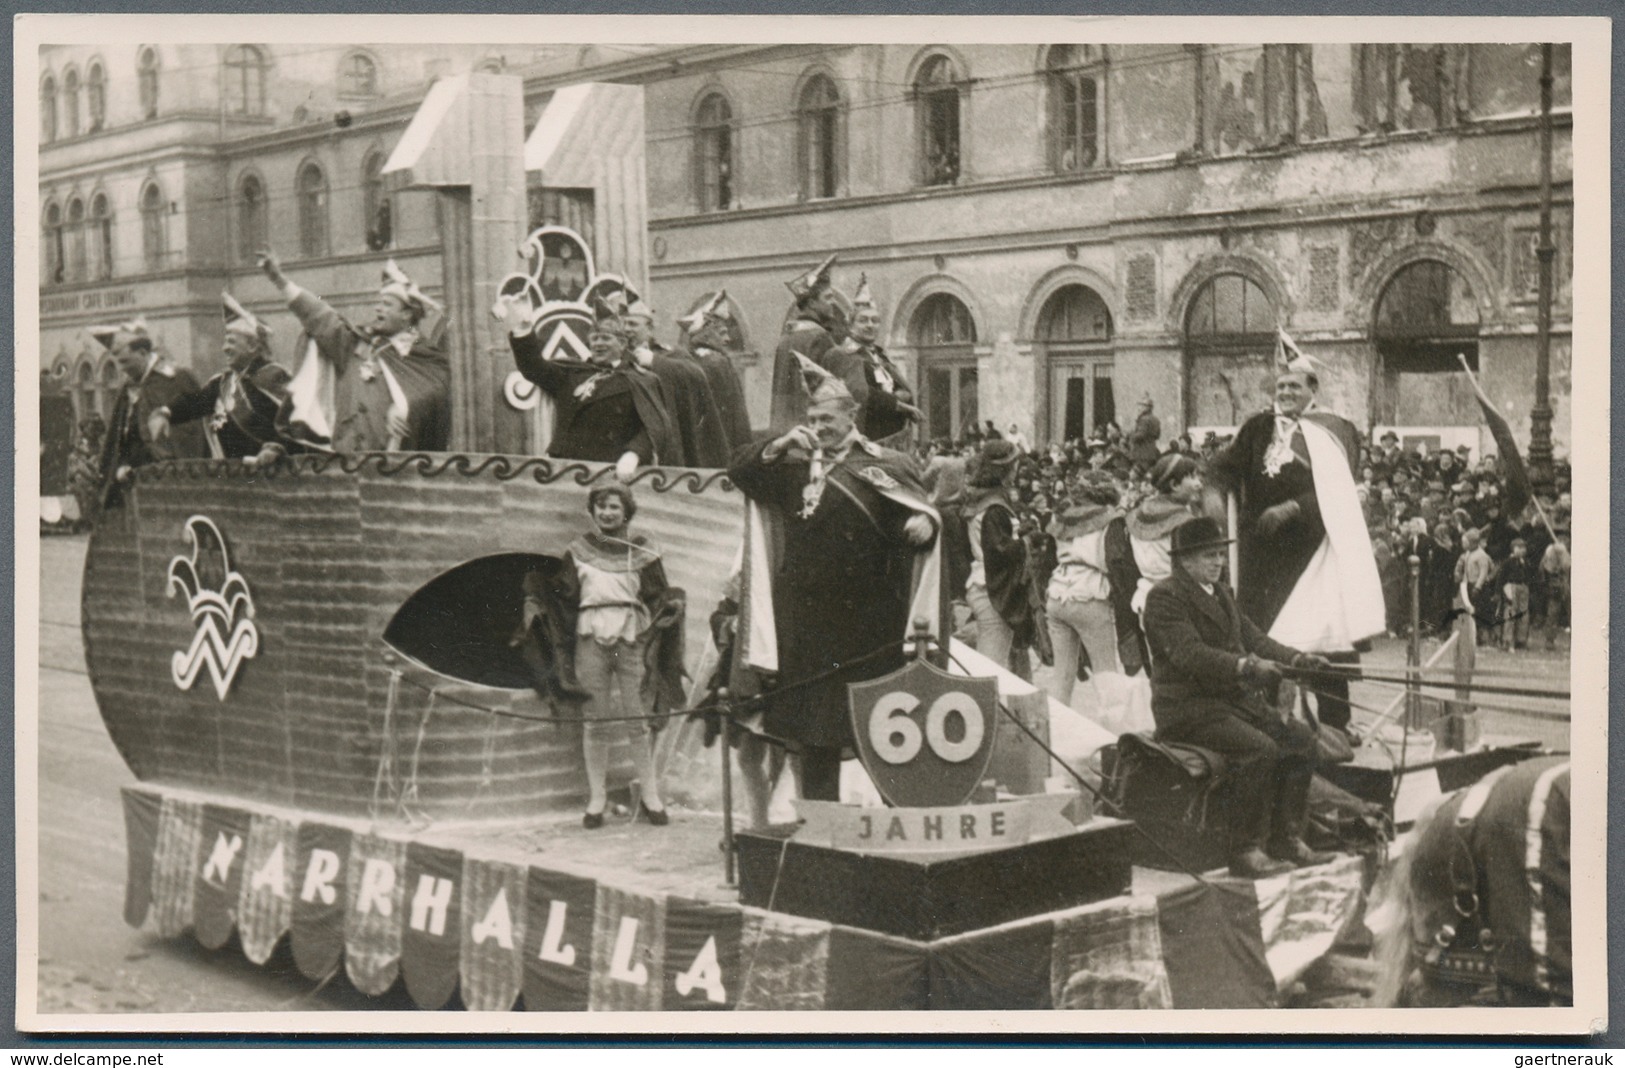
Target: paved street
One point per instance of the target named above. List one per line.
(92, 962)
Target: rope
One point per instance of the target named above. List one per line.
(1417, 680)
(735, 708)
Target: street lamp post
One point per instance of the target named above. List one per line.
(1540, 416)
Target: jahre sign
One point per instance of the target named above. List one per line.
(954, 829)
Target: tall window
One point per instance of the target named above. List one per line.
(1075, 74)
(943, 336)
(312, 191)
(1427, 319)
(75, 227)
(359, 75)
(377, 209)
(152, 227)
(112, 382)
(70, 103)
(96, 95)
(819, 122)
(55, 253)
(936, 99)
(47, 109)
(714, 154)
(147, 79)
(1075, 328)
(84, 390)
(245, 80)
(252, 230)
(1229, 347)
(101, 221)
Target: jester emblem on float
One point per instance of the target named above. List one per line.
(562, 286)
(925, 736)
(221, 606)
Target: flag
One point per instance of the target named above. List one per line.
(1518, 490)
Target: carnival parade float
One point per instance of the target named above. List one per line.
(308, 664)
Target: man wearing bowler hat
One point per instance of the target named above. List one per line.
(1211, 669)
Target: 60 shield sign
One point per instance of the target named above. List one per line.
(925, 736)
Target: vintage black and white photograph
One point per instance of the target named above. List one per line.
(865, 525)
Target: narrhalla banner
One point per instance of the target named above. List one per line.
(504, 934)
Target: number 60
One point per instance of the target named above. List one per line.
(897, 738)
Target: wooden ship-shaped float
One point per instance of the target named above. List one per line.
(307, 665)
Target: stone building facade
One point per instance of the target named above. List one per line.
(1054, 232)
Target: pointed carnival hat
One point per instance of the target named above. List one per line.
(398, 285)
(1289, 359)
(822, 387)
(638, 309)
(811, 281)
(128, 334)
(863, 297)
(239, 320)
(715, 308)
(609, 314)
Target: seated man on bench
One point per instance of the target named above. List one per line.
(1210, 671)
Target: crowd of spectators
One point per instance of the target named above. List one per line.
(1442, 506)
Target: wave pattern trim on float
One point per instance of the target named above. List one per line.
(212, 609)
(543, 470)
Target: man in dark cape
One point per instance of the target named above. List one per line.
(860, 560)
(694, 410)
(151, 382)
(238, 406)
(885, 399)
(811, 335)
(1307, 574)
(607, 409)
(707, 342)
(378, 388)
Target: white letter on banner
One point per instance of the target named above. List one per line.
(705, 973)
(272, 873)
(324, 868)
(498, 924)
(377, 880)
(221, 857)
(429, 904)
(620, 962)
(552, 951)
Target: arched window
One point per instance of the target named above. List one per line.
(714, 154)
(943, 336)
(359, 75)
(147, 79)
(936, 102)
(376, 206)
(312, 191)
(818, 118)
(153, 206)
(245, 80)
(1229, 349)
(1076, 76)
(252, 226)
(1075, 330)
(55, 253)
(75, 227)
(112, 382)
(1426, 318)
(70, 103)
(101, 222)
(84, 391)
(96, 96)
(47, 109)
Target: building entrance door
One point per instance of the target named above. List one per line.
(1081, 397)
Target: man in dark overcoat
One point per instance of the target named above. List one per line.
(694, 412)
(237, 408)
(858, 563)
(1210, 666)
(1308, 577)
(151, 381)
(819, 315)
(707, 341)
